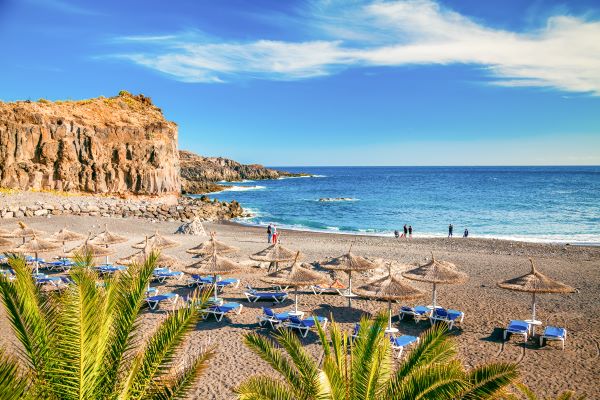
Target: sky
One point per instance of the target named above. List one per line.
(295, 83)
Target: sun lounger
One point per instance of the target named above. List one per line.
(111, 269)
(60, 265)
(254, 296)
(162, 274)
(269, 316)
(154, 301)
(399, 343)
(8, 274)
(554, 333)
(450, 317)
(220, 311)
(305, 325)
(151, 291)
(199, 281)
(419, 313)
(517, 327)
(47, 280)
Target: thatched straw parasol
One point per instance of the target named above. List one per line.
(349, 262)
(5, 243)
(91, 249)
(23, 231)
(295, 276)
(535, 282)
(35, 246)
(5, 232)
(64, 235)
(389, 288)
(107, 238)
(140, 257)
(156, 241)
(208, 247)
(436, 272)
(274, 254)
(215, 265)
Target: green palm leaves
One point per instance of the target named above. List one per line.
(82, 343)
(363, 368)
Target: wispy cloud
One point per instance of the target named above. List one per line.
(564, 54)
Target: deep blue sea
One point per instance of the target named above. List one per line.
(547, 204)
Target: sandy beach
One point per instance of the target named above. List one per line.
(548, 370)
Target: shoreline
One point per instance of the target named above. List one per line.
(557, 242)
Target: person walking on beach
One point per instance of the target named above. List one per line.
(269, 233)
(405, 234)
(410, 231)
(274, 231)
(450, 229)
(466, 234)
(397, 234)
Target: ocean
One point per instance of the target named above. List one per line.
(536, 204)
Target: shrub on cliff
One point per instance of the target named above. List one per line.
(82, 343)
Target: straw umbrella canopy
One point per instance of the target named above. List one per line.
(348, 263)
(274, 254)
(89, 248)
(208, 247)
(35, 246)
(140, 257)
(107, 238)
(5, 243)
(436, 272)
(156, 241)
(389, 288)
(296, 276)
(64, 235)
(214, 265)
(535, 282)
(23, 231)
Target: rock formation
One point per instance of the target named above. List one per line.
(118, 145)
(199, 174)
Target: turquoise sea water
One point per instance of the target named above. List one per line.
(549, 204)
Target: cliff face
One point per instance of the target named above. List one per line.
(199, 174)
(119, 145)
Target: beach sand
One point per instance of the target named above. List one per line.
(488, 309)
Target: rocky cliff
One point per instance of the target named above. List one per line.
(117, 145)
(199, 174)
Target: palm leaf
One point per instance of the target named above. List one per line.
(12, 385)
(264, 388)
(489, 380)
(437, 381)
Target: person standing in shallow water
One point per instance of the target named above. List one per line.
(405, 235)
(410, 231)
(466, 234)
(450, 229)
(275, 234)
(269, 233)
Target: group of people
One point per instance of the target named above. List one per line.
(272, 233)
(406, 234)
(451, 231)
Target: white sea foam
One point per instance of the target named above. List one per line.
(242, 188)
(336, 199)
(300, 177)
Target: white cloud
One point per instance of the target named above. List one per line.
(565, 54)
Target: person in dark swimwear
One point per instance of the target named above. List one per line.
(410, 231)
(466, 234)
(397, 234)
(450, 229)
(405, 235)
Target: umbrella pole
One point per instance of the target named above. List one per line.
(389, 315)
(296, 301)
(215, 280)
(37, 265)
(106, 256)
(349, 288)
(533, 307)
(434, 297)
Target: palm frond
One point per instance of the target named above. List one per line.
(13, 386)
(156, 357)
(368, 351)
(436, 381)
(264, 388)
(487, 381)
(178, 385)
(267, 350)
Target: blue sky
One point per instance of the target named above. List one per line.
(333, 82)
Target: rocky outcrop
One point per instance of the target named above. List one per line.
(118, 145)
(48, 205)
(200, 174)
